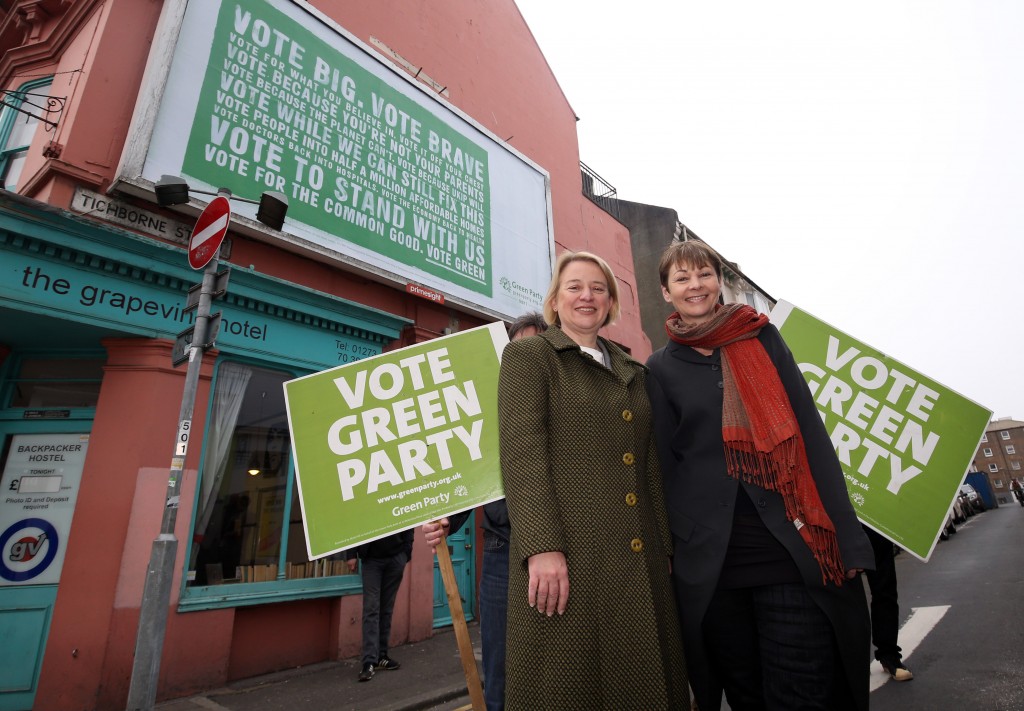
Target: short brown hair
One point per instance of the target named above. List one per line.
(563, 261)
(691, 253)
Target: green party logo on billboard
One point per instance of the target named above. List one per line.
(398, 439)
(904, 440)
(282, 110)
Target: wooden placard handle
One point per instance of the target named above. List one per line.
(451, 589)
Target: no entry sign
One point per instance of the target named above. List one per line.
(209, 232)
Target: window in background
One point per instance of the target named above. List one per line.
(248, 526)
(49, 383)
(17, 128)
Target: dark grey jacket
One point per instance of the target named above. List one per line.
(495, 520)
(685, 389)
(385, 547)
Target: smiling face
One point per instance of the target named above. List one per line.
(693, 292)
(582, 301)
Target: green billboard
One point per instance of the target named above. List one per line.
(385, 174)
(904, 440)
(398, 439)
(282, 109)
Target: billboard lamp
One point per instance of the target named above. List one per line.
(173, 190)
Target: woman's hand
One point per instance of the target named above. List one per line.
(852, 573)
(549, 582)
(434, 531)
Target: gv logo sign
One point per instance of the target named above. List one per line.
(27, 548)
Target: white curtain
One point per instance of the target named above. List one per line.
(232, 380)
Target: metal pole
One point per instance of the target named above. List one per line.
(156, 595)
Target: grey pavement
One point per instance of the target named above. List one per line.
(431, 679)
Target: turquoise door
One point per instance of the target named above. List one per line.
(33, 538)
(24, 624)
(460, 543)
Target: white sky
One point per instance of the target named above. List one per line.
(863, 161)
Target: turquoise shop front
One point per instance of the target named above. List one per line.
(88, 317)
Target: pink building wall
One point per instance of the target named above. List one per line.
(488, 59)
(485, 55)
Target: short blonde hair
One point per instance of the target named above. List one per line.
(563, 261)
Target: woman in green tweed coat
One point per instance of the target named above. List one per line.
(591, 617)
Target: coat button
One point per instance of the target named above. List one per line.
(627, 415)
(762, 503)
(720, 383)
(627, 458)
(631, 499)
(714, 366)
(637, 545)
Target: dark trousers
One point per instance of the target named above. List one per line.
(381, 578)
(885, 606)
(493, 615)
(773, 649)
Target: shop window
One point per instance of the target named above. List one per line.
(18, 125)
(248, 521)
(56, 383)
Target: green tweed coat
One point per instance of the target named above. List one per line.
(581, 476)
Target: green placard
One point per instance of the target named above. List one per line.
(904, 440)
(396, 440)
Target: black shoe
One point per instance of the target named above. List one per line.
(386, 662)
(367, 672)
(896, 669)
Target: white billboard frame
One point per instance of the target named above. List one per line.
(519, 189)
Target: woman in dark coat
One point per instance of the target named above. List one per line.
(767, 545)
(591, 617)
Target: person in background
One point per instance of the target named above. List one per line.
(767, 544)
(494, 574)
(1017, 491)
(591, 620)
(383, 564)
(885, 607)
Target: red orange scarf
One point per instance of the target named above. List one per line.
(763, 443)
